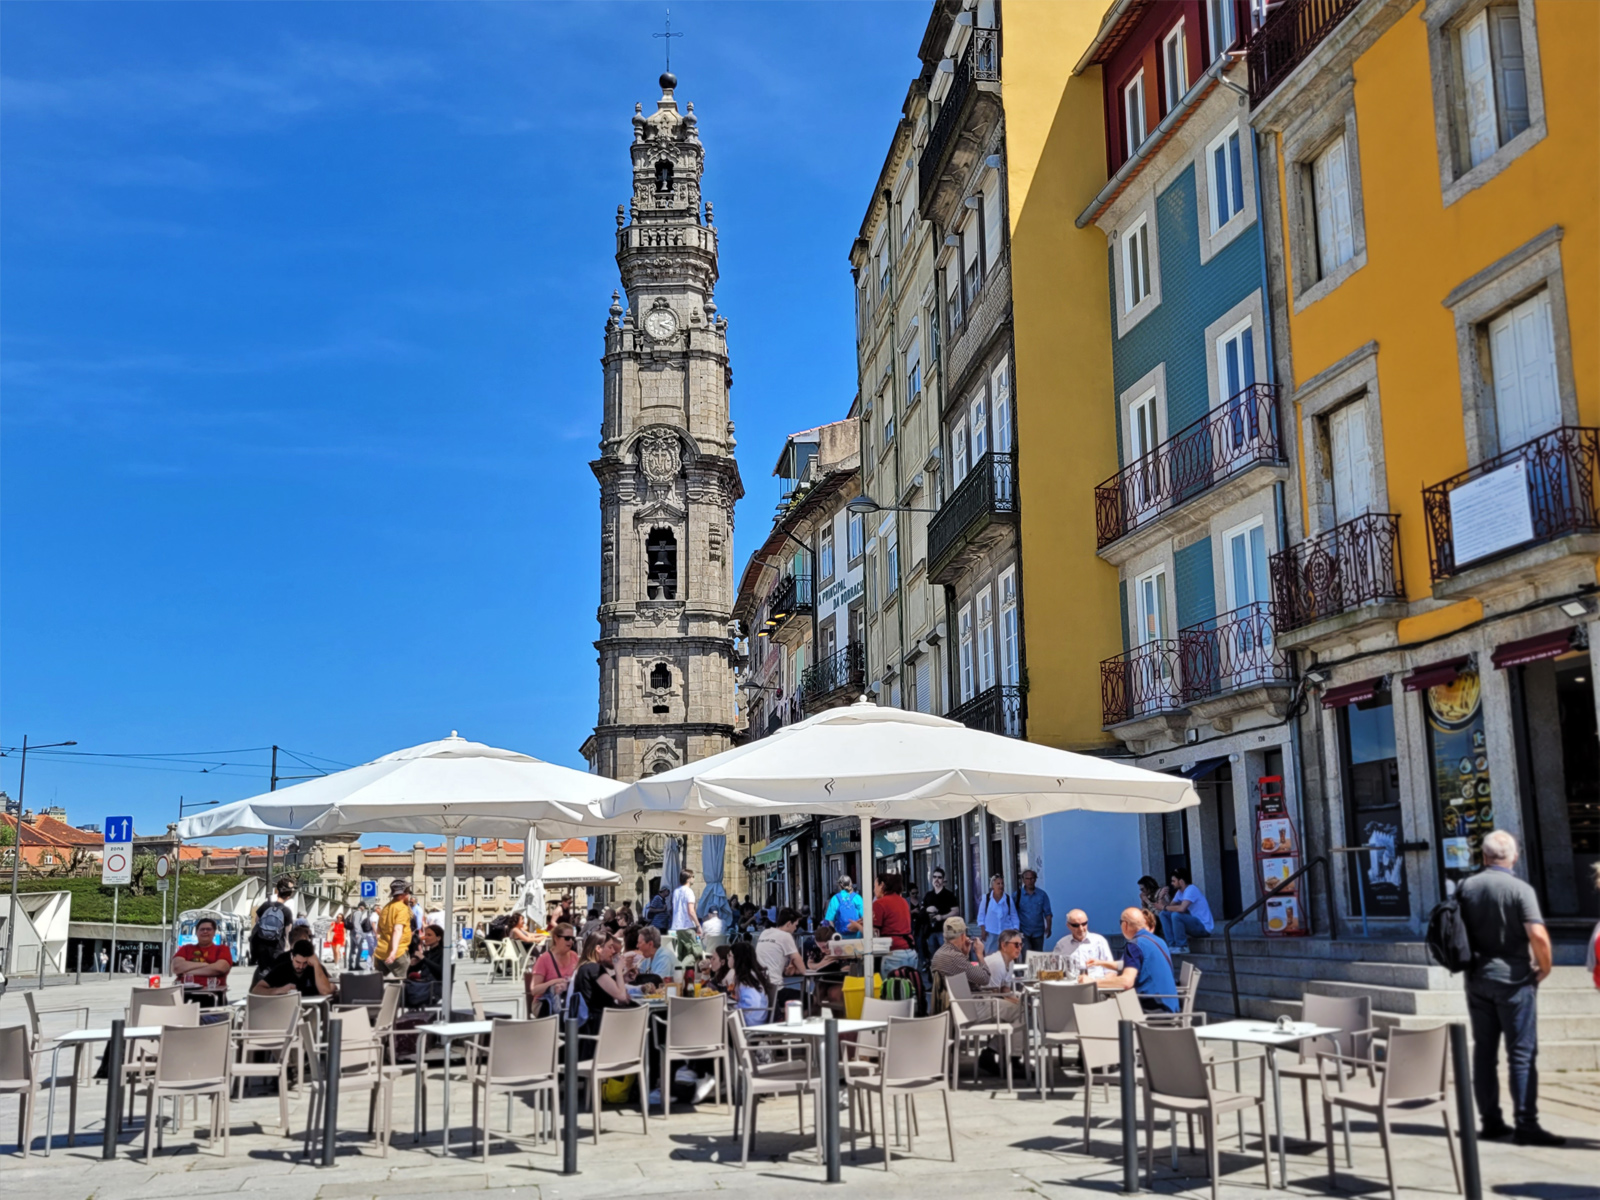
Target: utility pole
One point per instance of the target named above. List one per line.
(271, 787)
(16, 846)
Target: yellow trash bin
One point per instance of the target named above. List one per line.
(854, 987)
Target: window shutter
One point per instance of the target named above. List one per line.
(1523, 358)
(994, 234)
(1000, 390)
(1477, 87)
(980, 430)
(1259, 587)
(958, 454)
(1510, 72)
(1144, 261)
(1237, 178)
(969, 242)
(1352, 463)
(1339, 203)
(1247, 357)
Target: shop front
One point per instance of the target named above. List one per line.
(841, 852)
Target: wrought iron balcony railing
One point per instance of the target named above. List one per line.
(1287, 37)
(989, 490)
(980, 61)
(1000, 709)
(791, 597)
(846, 668)
(1139, 682)
(1236, 435)
(1556, 473)
(1231, 651)
(1349, 565)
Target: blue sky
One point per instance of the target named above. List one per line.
(299, 340)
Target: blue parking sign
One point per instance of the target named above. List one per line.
(369, 889)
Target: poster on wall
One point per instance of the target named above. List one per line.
(1463, 799)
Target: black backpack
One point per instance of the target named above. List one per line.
(1448, 943)
(500, 927)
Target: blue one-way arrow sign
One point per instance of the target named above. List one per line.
(118, 829)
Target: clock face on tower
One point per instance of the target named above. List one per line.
(661, 324)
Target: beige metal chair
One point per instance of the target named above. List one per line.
(18, 1078)
(521, 1060)
(981, 1019)
(193, 1062)
(361, 1069)
(271, 1028)
(141, 997)
(781, 1077)
(1188, 990)
(144, 1053)
(1058, 1024)
(912, 1063)
(1101, 1053)
(696, 1029)
(619, 1053)
(1179, 1079)
(1411, 1084)
(42, 1043)
(1352, 1016)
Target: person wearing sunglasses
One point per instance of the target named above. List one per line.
(549, 975)
(1088, 952)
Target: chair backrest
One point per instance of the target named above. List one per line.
(33, 1022)
(389, 1007)
(1348, 1014)
(523, 1049)
(1188, 990)
(695, 1021)
(622, 1033)
(173, 1016)
(193, 1054)
(272, 1014)
(960, 987)
(1172, 1062)
(142, 999)
(1187, 973)
(915, 1048)
(873, 1009)
(1056, 1002)
(16, 1055)
(361, 987)
(1097, 1034)
(359, 1050)
(1128, 1006)
(1415, 1064)
(475, 1000)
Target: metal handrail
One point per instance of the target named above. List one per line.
(1320, 860)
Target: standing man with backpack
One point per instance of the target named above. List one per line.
(267, 936)
(1511, 957)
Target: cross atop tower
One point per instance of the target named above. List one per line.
(668, 35)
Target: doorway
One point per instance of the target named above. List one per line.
(1216, 799)
(1558, 764)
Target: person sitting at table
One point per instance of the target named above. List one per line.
(656, 962)
(206, 963)
(747, 983)
(955, 958)
(296, 970)
(597, 980)
(520, 933)
(549, 975)
(829, 984)
(999, 963)
(1082, 949)
(891, 918)
(713, 969)
(425, 975)
(1146, 966)
(780, 956)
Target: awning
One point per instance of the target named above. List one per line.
(1352, 693)
(1532, 649)
(1433, 676)
(772, 852)
(1203, 768)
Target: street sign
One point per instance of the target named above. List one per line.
(116, 861)
(369, 889)
(161, 868)
(161, 885)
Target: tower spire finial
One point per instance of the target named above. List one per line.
(668, 36)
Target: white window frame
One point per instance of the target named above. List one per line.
(1000, 405)
(913, 375)
(1302, 145)
(486, 889)
(964, 641)
(436, 888)
(1505, 335)
(1160, 591)
(1174, 53)
(959, 464)
(986, 647)
(1229, 180)
(855, 536)
(1135, 112)
(1225, 390)
(1220, 28)
(891, 565)
(825, 553)
(1010, 628)
(1231, 586)
(1143, 414)
(1136, 266)
(461, 887)
(978, 424)
(1335, 221)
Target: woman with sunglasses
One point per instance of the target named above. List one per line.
(552, 971)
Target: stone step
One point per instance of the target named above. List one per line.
(1382, 974)
(1415, 953)
(1449, 1000)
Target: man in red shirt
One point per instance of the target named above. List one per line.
(206, 962)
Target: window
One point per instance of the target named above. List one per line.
(854, 535)
(1142, 427)
(971, 258)
(1174, 66)
(891, 565)
(1330, 177)
(1236, 360)
(1350, 455)
(663, 177)
(958, 454)
(1000, 391)
(888, 433)
(1010, 630)
(661, 564)
(908, 218)
(913, 375)
(883, 272)
(933, 334)
(1136, 264)
(825, 554)
(1494, 81)
(660, 677)
(1150, 592)
(1227, 179)
(978, 417)
(436, 890)
(1219, 24)
(872, 578)
(1133, 112)
(993, 240)
(1522, 363)
(1247, 565)
(47, 859)
(488, 887)
(964, 624)
(952, 285)
(985, 640)
(461, 889)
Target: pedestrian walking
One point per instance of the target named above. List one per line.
(1034, 917)
(997, 912)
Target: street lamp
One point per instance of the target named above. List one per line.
(15, 808)
(865, 506)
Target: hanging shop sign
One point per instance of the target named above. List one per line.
(925, 835)
(841, 836)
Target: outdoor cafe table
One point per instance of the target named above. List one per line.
(82, 1037)
(1274, 1038)
(446, 1032)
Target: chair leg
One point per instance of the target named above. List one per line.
(594, 1100)
(1266, 1153)
(1150, 1142)
(147, 1132)
(666, 1085)
(1327, 1117)
(1450, 1139)
(1208, 1127)
(750, 1100)
(1088, 1105)
(949, 1126)
(1305, 1107)
(644, 1094)
(1388, 1156)
(883, 1110)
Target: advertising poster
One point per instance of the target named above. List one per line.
(1463, 799)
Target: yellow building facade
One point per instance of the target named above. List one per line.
(1431, 174)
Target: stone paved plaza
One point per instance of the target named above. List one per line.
(1006, 1144)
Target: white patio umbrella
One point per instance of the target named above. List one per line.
(453, 787)
(869, 761)
(578, 872)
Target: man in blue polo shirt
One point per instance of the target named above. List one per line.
(1146, 966)
(1034, 917)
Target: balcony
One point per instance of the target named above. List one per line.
(980, 512)
(1505, 509)
(971, 105)
(1000, 709)
(1349, 566)
(791, 597)
(1222, 445)
(1216, 667)
(842, 671)
(1287, 38)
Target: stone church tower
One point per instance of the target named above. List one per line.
(668, 483)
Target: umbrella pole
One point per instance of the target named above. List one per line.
(447, 981)
(866, 903)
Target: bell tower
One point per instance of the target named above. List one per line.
(668, 483)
